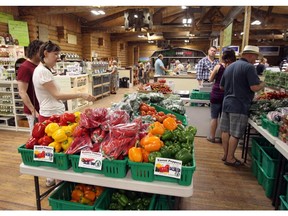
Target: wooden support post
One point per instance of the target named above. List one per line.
(246, 28)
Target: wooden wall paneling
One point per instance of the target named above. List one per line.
(3, 27)
(102, 51)
(10, 10)
(87, 46)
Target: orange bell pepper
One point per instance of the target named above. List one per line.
(135, 154)
(157, 128)
(170, 123)
(152, 144)
(77, 195)
(145, 155)
(90, 195)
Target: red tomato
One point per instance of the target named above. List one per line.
(144, 108)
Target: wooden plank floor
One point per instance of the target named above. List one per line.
(216, 186)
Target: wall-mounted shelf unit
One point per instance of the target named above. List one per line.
(11, 107)
(101, 84)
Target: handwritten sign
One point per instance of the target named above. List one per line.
(19, 30)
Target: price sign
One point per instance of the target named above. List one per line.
(43, 153)
(90, 160)
(168, 167)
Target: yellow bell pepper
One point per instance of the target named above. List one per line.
(51, 128)
(56, 145)
(77, 116)
(66, 144)
(73, 126)
(68, 130)
(59, 135)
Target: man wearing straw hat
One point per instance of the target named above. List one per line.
(240, 82)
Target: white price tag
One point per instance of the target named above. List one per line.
(90, 160)
(43, 153)
(168, 167)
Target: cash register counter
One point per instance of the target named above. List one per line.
(181, 82)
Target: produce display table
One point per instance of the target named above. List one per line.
(283, 157)
(127, 183)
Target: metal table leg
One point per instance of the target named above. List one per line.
(39, 196)
(247, 143)
(244, 141)
(37, 192)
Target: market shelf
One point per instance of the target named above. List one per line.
(282, 148)
(127, 183)
(272, 139)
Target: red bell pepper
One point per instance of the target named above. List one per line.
(55, 118)
(46, 122)
(80, 131)
(67, 118)
(38, 130)
(31, 142)
(45, 140)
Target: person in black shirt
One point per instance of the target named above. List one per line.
(261, 66)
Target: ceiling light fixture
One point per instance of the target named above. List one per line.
(183, 7)
(98, 12)
(187, 21)
(186, 41)
(256, 22)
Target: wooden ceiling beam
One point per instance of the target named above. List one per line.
(106, 19)
(233, 13)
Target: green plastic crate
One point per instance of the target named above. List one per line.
(75, 161)
(266, 182)
(60, 199)
(254, 167)
(110, 168)
(260, 174)
(61, 160)
(257, 143)
(269, 160)
(164, 202)
(115, 168)
(104, 202)
(141, 171)
(264, 122)
(283, 204)
(273, 128)
(180, 117)
(286, 178)
(145, 172)
(200, 95)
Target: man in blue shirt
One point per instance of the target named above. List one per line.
(240, 82)
(206, 65)
(159, 66)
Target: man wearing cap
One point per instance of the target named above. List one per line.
(240, 82)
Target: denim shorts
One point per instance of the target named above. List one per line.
(233, 123)
(216, 110)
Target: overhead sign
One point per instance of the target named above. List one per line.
(227, 36)
(5, 17)
(19, 31)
